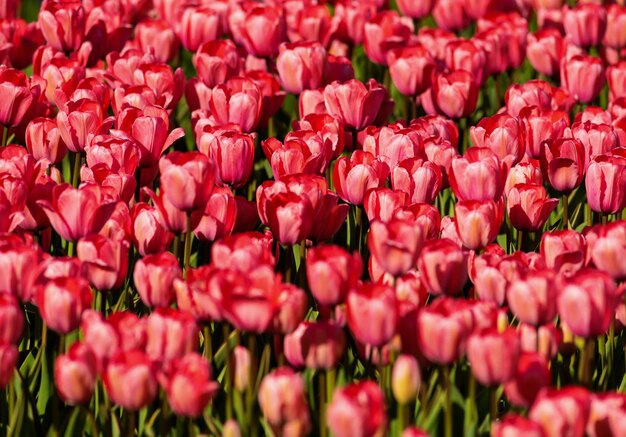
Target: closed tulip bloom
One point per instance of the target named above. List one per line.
(157, 36)
(542, 125)
(393, 144)
(237, 101)
(513, 425)
(77, 212)
(18, 96)
(528, 206)
(395, 244)
(149, 235)
(243, 251)
(63, 25)
(43, 140)
(478, 175)
(616, 79)
(188, 385)
(11, 318)
(316, 345)
(587, 302)
(503, 135)
(564, 251)
(217, 61)
(387, 30)
(354, 176)
(154, 277)
(218, 217)
(354, 103)
(293, 306)
(442, 330)
(357, 410)
(282, 398)
(415, 9)
(78, 119)
(8, 361)
(241, 365)
(170, 334)
(607, 414)
(562, 411)
(405, 379)
(597, 139)
(411, 69)
(106, 261)
(467, 55)
(198, 25)
(301, 66)
(531, 375)
(443, 266)
(232, 154)
(332, 272)
(61, 302)
(544, 50)
(532, 298)
(130, 380)
(525, 172)
(615, 37)
(75, 374)
(421, 180)
(372, 314)
(383, 203)
(563, 163)
(455, 94)
(187, 179)
(302, 152)
(199, 294)
(478, 223)
(605, 182)
(493, 355)
(262, 30)
(451, 15)
(608, 250)
(583, 76)
(585, 24)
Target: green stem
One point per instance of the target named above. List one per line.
(131, 420)
(176, 246)
(448, 405)
(565, 223)
(586, 355)
(250, 390)
(403, 416)
(520, 240)
(70, 248)
(609, 353)
(5, 133)
(228, 384)
(322, 399)
(207, 346)
(472, 398)
(493, 403)
(188, 243)
(76, 169)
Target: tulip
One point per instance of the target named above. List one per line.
(332, 272)
(352, 16)
(243, 251)
(101, 337)
(154, 277)
(563, 251)
(282, 399)
(11, 318)
(287, 214)
(200, 294)
(585, 24)
(528, 206)
(302, 152)
(531, 375)
(261, 31)
(158, 37)
(561, 412)
(443, 266)
(170, 217)
(513, 425)
(61, 302)
(503, 135)
(442, 330)
(354, 103)
(318, 345)
(18, 97)
(532, 93)
(421, 180)
(467, 55)
(563, 163)
(607, 414)
(583, 76)
(372, 314)
(455, 94)
(43, 140)
(63, 25)
(8, 361)
(357, 410)
(606, 177)
(532, 298)
(405, 379)
(478, 175)
(232, 154)
(393, 144)
(383, 203)
(385, 31)
(149, 235)
(106, 261)
(450, 15)
(130, 380)
(301, 66)
(75, 374)
(327, 127)
(587, 302)
(544, 51)
(187, 179)
(188, 385)
(411, 69)
(395, 244)
(217, 61)
(493, 355)
(607, 251)
(597, 139)
(241, 367)
(170, 334)
(478, 223)
(615, 37)
(312, 23)
(354, 176)
(197, 26)
(415, 9)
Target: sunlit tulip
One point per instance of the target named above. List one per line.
(75, 374)
(130, 380)
(357, 410)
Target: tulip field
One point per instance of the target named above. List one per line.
(335, 218)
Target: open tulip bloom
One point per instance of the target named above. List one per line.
(353, 218)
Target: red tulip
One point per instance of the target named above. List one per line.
(149, 235)
(130, 380)
(187, 179)
(188, 385)
(18, 96)
(158, 37)
(450, 15)
(493, 356)
(411, 69)
(528, 206)
(8, 362)
(585, 24)
(154, 277)
(563, 251)
(561, 412)
(512, 425)
(310, 22)
(105, 260)
(385, 31)
(503, 135)
(199, 25)
(61, 302)
(332, 272)
(357, 410)
(354, 103)
(469, 56)
(372, 314)
(421, 180)
(318, 345)
(261, 30)
(11, 318)
(352, 16)
(395, 244)
(455, 94)
(293, 306)
(217, 219)
(531, 375)
(478, 223)
(615, 37)
(301, 66)
(443, 266)
(63, 25)
(545, 49)
(383, 203)
(354, 176)
(217, 61)
(532, 93)
(327, 127)
(200, 293)
(302, 152)
(282, 398)
(243, 251)
(43, 140)
(532, 298)
(605, 182)
(311, 102)
(563, 163)
(478, 175)
(75, 374)
(587, 302)
(232, 154)
(583, 76)
(607, 414)
(597, 139)
(170, 334)
(607, 249)
(237, 101)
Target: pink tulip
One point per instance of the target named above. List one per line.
(585, 24)
(395, 244)
(443, 266)
(11, 318)
(532, 298)
(354, 176)
(561, 412)
(455, 94)
(154, 277)
(357, 410)
(106, 261)
(318, 345)
(493, 355)
(130, 380)
(75, 374)
(531, 375)
(170, 334)
(372, 314)
(528, 206)
(563, 251)
(386, 30)
(332, 272)
(478, 175)
(62, 301)
(301, 66)
(354, 103)
(478, 223)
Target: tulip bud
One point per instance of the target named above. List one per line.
(242, 364)
(75, 374)
(405, 379)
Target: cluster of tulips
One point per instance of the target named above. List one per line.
(299, 217)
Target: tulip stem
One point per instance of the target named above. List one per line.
(472, 399)
(76, 169)
(520, 239)
(70, 248)
(609, 353)
(252, 374)
(188, 243)
(565, 223)
(322, 394)
(448, 405)
(586, 355)
(493, 403)
(5, 133)
(403, 417)
(331, 376)
(130, 423)
(206, 345)
(228, 385)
